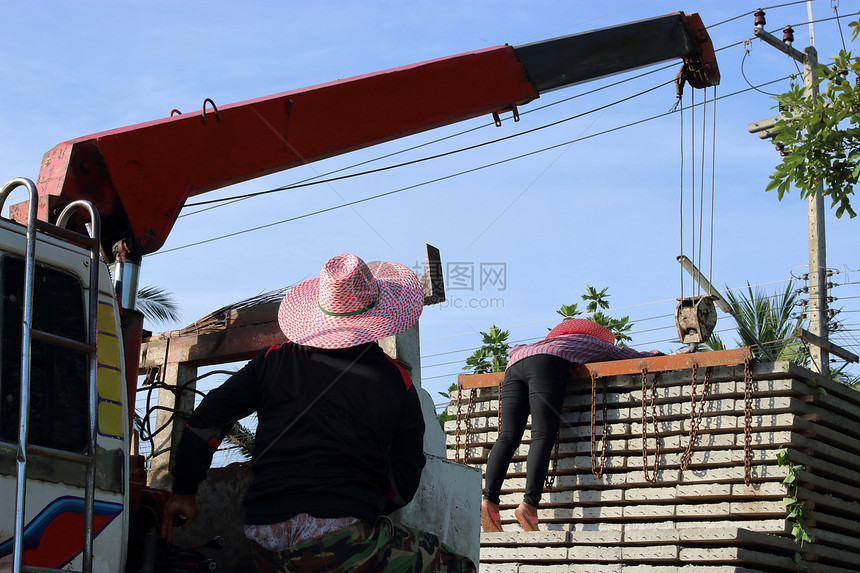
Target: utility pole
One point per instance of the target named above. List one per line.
(815, 203)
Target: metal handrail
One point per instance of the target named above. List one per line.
(89, 496)
(28, 335)
(24, 402)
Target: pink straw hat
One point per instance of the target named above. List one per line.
(583, 326)
(351, 303)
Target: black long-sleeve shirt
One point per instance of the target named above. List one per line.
(339, 433)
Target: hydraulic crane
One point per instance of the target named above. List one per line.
(135, 181)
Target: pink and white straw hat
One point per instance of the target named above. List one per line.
(351, 303)
(583, 326)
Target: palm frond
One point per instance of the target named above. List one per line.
(157, 304)
(769, 318)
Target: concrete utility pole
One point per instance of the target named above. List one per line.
(815, 203)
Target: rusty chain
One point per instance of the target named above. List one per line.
(470, 409)
(695, 414)
(457, 457)
(598, 471)
(649, 478)
(747, 421)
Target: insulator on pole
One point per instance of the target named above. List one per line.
(788, 35)
(760, 21)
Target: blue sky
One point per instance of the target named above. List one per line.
(602, 211)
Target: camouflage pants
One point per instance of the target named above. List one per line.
(366, 548)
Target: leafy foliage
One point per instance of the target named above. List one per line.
(597, 302)
(568, 311)
(157, 304)
(243, 439)
(618, 326)
(769, 317)
(820, 136)
(492, 356)
(795, 507)
(444, 416)
(848, 380)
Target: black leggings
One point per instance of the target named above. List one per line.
(534, 384)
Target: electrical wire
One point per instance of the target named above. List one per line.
(444, 154)
(145, 431)
(307, 181)
(744, 75)
(313, 181)
(836, 10)
(435, 180)
(304, 182)
(617, 309)
(770, 297)
(750, 13)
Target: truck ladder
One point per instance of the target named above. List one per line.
(29, 334)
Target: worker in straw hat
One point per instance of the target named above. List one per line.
(339, 438)
(535, 383)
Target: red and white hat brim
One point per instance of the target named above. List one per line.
(582, 326)
(401, 300)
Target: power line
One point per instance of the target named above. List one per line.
(671, 326)
(613, 310)
(316, 179)
(754, 11)
(439, 179)
(310, 182)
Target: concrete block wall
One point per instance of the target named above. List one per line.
(705, 516)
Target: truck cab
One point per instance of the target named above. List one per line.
(62, 455)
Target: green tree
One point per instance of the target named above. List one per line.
(597, 301)
(157, 304)
(769, 317)
(819, 137)
(568, 311)
(492, 356)
(243, 440)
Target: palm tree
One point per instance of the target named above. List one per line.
(769, 317)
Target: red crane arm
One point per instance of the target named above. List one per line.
(138, 177)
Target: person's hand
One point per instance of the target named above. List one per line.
(184, 505)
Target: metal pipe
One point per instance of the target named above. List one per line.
(92, 331)
(126, 276)
(24, 402)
